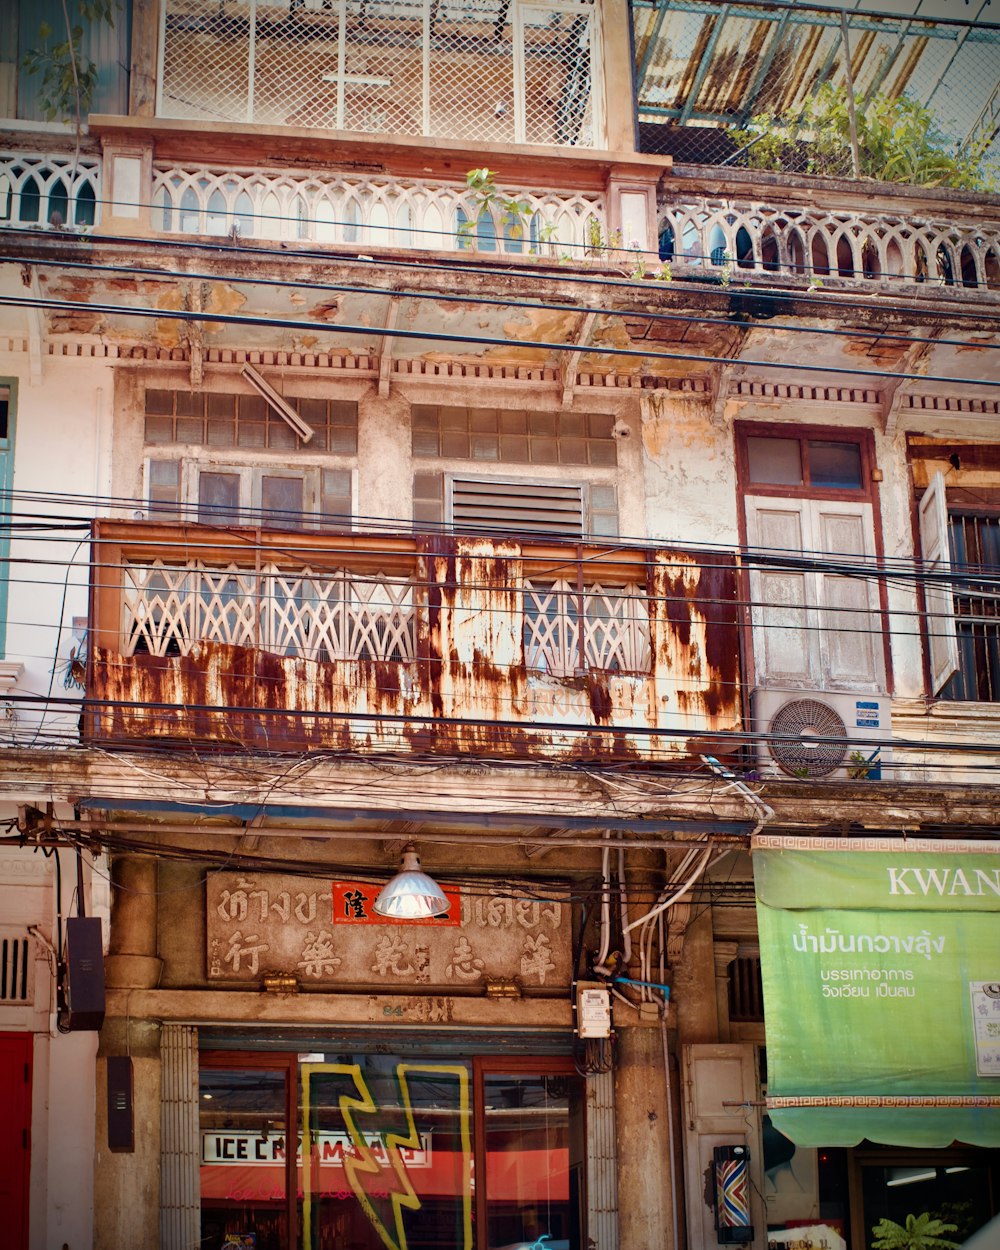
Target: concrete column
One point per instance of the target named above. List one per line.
(385, 474)
(619, 117)
(693, 987)
(126, 188)
(132, 959)
(127, 1186)
(645, 1189)
(145, 50)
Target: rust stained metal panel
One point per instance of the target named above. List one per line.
(467, 692)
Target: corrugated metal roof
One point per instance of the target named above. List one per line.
(702, 62)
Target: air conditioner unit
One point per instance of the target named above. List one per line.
(821, 733)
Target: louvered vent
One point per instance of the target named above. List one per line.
(486, 505)
(746, 990)
(15, 968)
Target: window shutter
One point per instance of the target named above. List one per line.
(785, 638)
(517, 507)
(942, 640)
(851, 651)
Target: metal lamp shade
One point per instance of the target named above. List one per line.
(411, 894)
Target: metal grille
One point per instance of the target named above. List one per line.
(746, 990)
(15, 965)
(615, 636)
(497, 71)
(975, 554)
(169, 608)
(557, 74)
(706, 71)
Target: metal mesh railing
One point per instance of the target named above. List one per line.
(765, 86)
(496, 71)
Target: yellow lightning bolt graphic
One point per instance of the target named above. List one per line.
(364, 1165)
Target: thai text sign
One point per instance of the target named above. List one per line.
(881, 970)
(270, 923)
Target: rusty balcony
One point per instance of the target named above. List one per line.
(254, 639)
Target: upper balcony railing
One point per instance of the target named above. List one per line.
(257, 638)
(738, 226)
(826, 231)
(371, 211)
(43, 190)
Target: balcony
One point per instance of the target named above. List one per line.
(742, 225)
(251, 639)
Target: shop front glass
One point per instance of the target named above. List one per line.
(392, 1152)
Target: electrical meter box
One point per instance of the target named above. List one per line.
(593, 1009)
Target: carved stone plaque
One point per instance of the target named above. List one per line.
(324, 933)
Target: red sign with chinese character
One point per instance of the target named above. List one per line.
(353, 900)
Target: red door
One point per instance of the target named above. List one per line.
(15, 1136)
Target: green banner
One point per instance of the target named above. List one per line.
(881, 973)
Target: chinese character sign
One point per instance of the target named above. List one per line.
(326, 932)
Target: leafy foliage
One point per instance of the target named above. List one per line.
(68, 79)
(898, 141)
(920, 1232)
(490, 202)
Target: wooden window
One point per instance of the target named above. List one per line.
(961, 561)
(275, 498)
(562, 509)
(214, 419)
(513, 437)
(811, 544)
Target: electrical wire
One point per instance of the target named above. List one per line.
(92, 307)
(475, 266)
(507, 302)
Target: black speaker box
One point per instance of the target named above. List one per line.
(121, 1122)
(83, 992)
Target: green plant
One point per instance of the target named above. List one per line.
(665, 273)
(920, 1232)
(507, 212)
(638, 271)
(68, 79)
(726, 273)
(898, 141)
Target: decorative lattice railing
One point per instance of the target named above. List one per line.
(491, 71)
(568, 630)
(375, 211)
(807, 243)
(38, 190)
(167, 608)
(335, 615)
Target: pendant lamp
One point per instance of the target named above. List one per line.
(411, 894)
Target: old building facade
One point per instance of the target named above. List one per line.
(397, 453)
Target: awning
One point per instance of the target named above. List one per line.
(881, 970)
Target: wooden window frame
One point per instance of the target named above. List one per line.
(251, 475)
(867, 493)
(804, 434)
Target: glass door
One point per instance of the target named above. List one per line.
(246, 1156)
(395, 1151)
(531, 1143)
